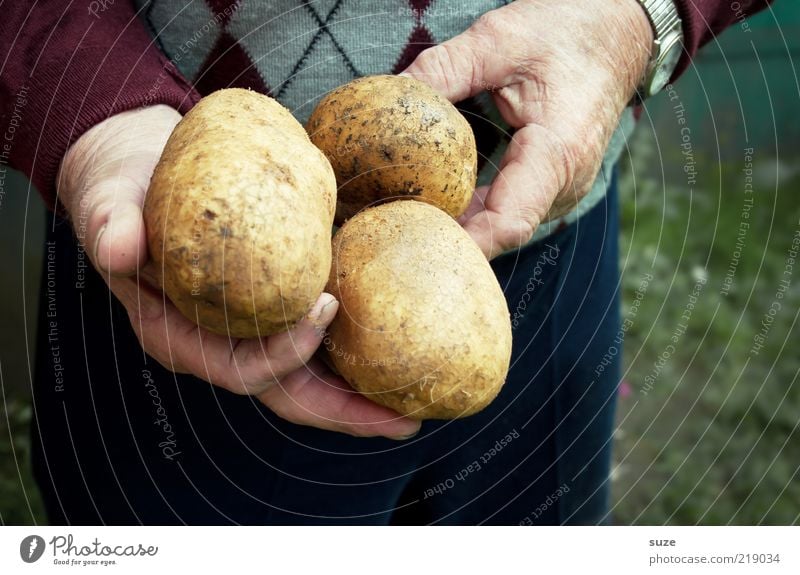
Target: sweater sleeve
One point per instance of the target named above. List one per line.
(66, 66)
(704, 19)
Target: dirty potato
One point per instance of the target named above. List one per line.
(392, 137)
(239, 214)
(423, 326)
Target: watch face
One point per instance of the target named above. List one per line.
(666, 65)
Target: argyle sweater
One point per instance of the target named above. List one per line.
(68, 66)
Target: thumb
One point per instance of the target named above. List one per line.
(104, 177)
(534, 170)
(115, 232)
(458, 68)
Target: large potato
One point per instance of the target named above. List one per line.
(423, 327)
(390, 137)
(239, 214)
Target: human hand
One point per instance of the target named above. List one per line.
(102, 184)
(561, 72)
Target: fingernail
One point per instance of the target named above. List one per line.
(407, 437)
(323, 311)
(328, 312)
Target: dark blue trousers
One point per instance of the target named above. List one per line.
(120, 440)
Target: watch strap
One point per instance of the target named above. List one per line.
(666, 23)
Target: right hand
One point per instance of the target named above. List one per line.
(103, 180)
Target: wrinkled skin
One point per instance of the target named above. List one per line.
(561, 72)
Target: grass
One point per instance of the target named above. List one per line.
(20, 503)
(715, 441)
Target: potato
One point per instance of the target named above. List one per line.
(422, 327)
(239, 214)
(392, 137)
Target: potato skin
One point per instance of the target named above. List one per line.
(239, 214)
(423, 327)
(392, 137)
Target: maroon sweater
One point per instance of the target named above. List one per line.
(67, 66)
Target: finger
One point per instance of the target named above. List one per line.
(314, 396)
(116, 232)
(238, 365)
(464, 65)
(476, 205)
(146, 312)
(105, 176)
(533, 170)
(310, 395)
(261, 362)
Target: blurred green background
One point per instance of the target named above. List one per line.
(708, 424)
(707, 428)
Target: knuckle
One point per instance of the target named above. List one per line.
(493, 22)
(563, 160)
(574, 167)
(451, 65)
(257, 386)
(229, 381)
(96, 207)
(517, 232)
(436, 62)
(233, 380)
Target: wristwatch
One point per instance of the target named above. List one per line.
(667, 45)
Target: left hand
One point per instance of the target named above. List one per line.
(561, 72)
(104, 179)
